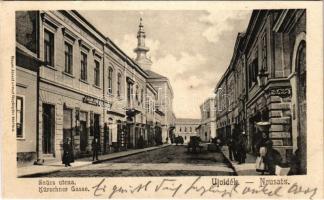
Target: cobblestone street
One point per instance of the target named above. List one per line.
(169, 161)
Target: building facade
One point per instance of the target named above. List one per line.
(76, 83)
(186, 127)
(266, 81)
(207, 128)
(27, 64)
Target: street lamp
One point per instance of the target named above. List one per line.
(262, 78)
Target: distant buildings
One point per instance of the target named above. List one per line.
(207, 127)
(186, 127)
(74, 82)
(266, 81)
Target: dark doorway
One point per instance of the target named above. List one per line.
(48, 129)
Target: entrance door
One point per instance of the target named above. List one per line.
(83, 131)
(67, 124)
(48, 129)
(301, 100)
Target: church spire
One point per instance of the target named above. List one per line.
(141, 49)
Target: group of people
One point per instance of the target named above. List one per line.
(267, 157)
(68, 155)
(237, 146)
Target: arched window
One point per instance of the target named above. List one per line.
(118, 84)
(110, 81)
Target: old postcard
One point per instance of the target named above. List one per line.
(162, 100)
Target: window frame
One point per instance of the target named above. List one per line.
(136, 93)
(142, 96)
(264, 48)
(130, 91)
(52, 48)
(110, 80)
(70, 56)
(85, 65)
(119, 77)
(96, 74)
(23, 135)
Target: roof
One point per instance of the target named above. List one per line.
(154, 75)
(239, 40)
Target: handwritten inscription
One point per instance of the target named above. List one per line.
(174, 187)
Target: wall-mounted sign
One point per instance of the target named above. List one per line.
(281, 92)
(91, 100)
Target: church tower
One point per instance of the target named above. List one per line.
(141, 49)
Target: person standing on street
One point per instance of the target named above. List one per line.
(95, 148)
(67, 152)
(230, 144)
(262, 150)
(242, 143)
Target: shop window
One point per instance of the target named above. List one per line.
(97, 73)
(49, 48)
(68, 58)
(19, 117)
(84, 60)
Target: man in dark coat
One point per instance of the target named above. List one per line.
(231, 150)
(67, 152)
(95, 148)
(242, 144)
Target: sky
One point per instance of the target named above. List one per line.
(192, 48)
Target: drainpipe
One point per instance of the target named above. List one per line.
(37, 85)
(103, 95)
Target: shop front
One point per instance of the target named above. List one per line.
(68, 114)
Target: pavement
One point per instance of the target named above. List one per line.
(244, 169)
(56, 166)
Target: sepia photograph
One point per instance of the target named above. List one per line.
(162, 100)
(141, 93)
